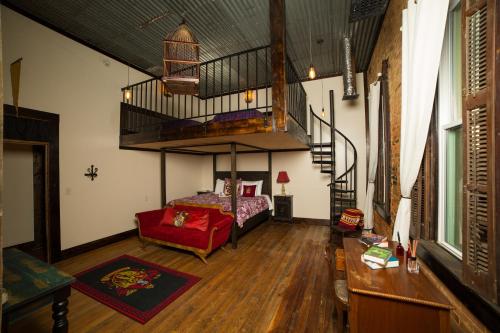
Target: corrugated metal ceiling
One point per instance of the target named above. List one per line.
(133, 30)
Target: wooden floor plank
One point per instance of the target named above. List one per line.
(276, 281)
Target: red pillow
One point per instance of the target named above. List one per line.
(197, 219)
(249, 190)
(168, 216)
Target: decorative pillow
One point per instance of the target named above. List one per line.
(351, 219)
(180, 218)
(258, 184)
(219, 186)
(249, 190)
(189, 218)
(168, 216)
(228, 187)
(197, 219)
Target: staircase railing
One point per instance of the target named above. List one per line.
(343, 192)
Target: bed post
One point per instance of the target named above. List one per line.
(163, 178)
(234, 202)
(278, 54)
(214, 167)
(270, 170)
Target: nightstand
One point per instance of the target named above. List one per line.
(283, 208)
(203, 192)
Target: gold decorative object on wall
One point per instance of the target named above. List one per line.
(181, 61)
(15, 78)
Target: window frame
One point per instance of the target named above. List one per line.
(447, 120)
(382, 193)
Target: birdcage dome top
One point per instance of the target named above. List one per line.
(182, 34)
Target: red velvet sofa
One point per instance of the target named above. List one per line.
(202, 243)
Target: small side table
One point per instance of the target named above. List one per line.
(283, 208)
(203, 192)
(31, 284)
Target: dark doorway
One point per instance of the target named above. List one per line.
(39, 131)
(25, 199)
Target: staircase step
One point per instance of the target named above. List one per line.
(326, 171)
(345, 199)
(323, 162)
(339, 190)
(324, 152)
(323, 144)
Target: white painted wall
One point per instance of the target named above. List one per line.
(307, 184)
(61, 76)
(18, 222)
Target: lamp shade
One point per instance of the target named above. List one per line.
(282, 177)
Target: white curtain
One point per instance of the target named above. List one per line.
(424, 24)
(373, 109)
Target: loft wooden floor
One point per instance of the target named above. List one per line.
(278, 280)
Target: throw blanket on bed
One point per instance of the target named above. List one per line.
(247, 207)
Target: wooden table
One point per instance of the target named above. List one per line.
(391, 300)
(31, 284)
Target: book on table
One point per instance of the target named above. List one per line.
(372, 239)
(378, 255)
(393, 262)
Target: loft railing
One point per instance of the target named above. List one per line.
(222, 89)
(296, 95)
(223, 83)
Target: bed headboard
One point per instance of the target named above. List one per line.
(250, 176)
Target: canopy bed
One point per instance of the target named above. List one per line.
(250, 101)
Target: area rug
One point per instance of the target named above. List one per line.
(134, 287)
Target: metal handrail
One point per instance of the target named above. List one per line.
(355, 153)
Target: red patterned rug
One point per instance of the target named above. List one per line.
(134, 287)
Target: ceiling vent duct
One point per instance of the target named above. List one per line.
(362, 9)
(349, 71)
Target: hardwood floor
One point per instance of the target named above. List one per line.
(278, 280)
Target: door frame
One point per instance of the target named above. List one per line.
(29, 126)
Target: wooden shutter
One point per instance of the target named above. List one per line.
(424, 191)
(480, 239)
(417, 204)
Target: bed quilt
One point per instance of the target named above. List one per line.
(247, 206)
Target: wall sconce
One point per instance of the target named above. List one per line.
(248, 96)
(91, 172)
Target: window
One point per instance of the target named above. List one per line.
(450, 142)
(460, 170)
(381, 197)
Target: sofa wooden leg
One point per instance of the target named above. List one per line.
(202, 257)
(223, 248)
(144, 244)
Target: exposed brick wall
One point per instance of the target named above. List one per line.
(389, 47)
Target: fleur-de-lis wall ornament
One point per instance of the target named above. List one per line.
(91, 172)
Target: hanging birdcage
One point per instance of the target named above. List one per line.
(181, 61)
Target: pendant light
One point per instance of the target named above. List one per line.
(312, 71)
(127, 92)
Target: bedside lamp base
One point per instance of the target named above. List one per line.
(283, 189)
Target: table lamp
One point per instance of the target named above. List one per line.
(282, 179)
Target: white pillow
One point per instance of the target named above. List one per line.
(219, 186)
(258, 184)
